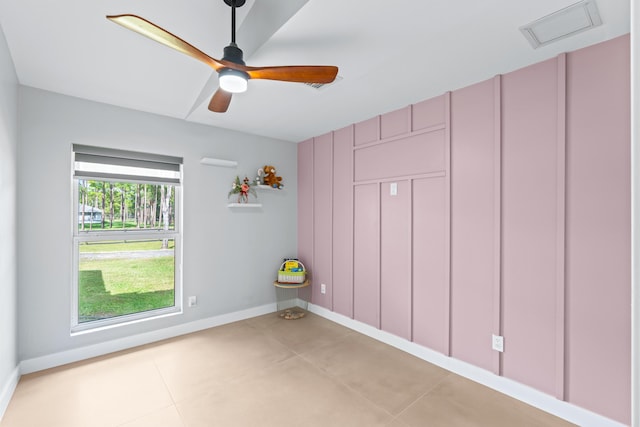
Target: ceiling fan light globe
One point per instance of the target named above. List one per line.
(232, 81)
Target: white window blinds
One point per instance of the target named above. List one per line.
(121, 165)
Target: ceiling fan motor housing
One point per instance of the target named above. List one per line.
(233, 53)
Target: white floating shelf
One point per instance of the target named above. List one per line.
(267, 188)
(244, 205)
(218, 162)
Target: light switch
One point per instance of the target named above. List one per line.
(393, 189)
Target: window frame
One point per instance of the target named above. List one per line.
(78, 236)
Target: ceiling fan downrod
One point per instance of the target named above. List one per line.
(233, 4)
(232, 52)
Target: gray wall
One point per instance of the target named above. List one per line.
(8, 164)
(230, 256)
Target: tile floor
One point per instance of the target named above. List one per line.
(264, 371)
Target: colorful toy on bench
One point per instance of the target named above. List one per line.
(291, 271)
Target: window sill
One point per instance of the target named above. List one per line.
(130, 319)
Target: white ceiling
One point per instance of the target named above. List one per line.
(390, 54)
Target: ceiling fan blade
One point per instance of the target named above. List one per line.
(154, 32)
(220, 101)
(295, 73)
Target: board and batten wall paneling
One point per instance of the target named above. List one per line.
(474, 165)
(366, 254)
(428, 113)
(530, 224)
(322, 220)
(395, 123)
(534, 211)
(390, 159)
(430, 264)
(395, 258)
(343, 221)
(305, 210)
(367, 131)
(599, 229)
(430, 230)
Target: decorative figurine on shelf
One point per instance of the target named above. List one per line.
(270, 178)
(259, 176)
(242, 189)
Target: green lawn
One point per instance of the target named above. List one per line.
(115, 287)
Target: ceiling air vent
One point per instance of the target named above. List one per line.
(320, 86)
(566, 22)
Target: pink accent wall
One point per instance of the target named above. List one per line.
(473, 229)
(367, 131)
(322, 220)
(305, 210)
(366, 254)
(390, 160)
(599, 229)
(428, 113)
(395, 259)
(400, 249)
(395, 123)
(343, 221)
(512, 217)
(529, 224)
(430, 264)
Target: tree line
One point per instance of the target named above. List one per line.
(129, 204)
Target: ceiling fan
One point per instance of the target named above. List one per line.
(233, 73)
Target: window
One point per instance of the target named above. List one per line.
(126, 236)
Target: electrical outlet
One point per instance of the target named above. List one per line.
(193, 301)
(393, 189)
(323, 288)
(497, 343)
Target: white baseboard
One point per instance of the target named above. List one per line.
(62, 358)
(526, 394)
(7, 390)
